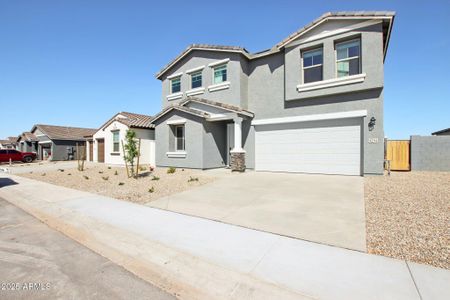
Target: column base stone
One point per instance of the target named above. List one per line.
(237, 163)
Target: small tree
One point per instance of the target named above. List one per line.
(131, 150)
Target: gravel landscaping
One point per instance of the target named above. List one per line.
(113, 181)
(407, 216)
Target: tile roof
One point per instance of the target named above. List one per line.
(12, 139)
(27, 136)
(232, 108)
(280, 45)
(130, 120)
(64, 132)
(441, 131)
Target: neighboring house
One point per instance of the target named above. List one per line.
(105, 145)
(27, 142)
(313, 103)
(59, 142)
(442, 132)
(13, 141)
(7, 144)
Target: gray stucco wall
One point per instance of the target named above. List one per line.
(233, 95)
(59, 149)
(28, 147)
(430, 153)
(214, 144)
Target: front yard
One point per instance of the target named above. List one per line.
(407, 216)
(113, 181)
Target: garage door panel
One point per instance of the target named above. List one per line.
(330, 147)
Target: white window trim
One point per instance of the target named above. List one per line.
(219, 62)
(114, 131)
(196, 91)
(313, 66)
(175, 75)
(184, 138)
(219, 86)
(348, 58)
(178, 154)
(170, 85)
(315, 117)
(331, 82)
(175, 96)
(195, 69)
(176, 122)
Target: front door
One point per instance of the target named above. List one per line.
(101, 150)
(91, 150)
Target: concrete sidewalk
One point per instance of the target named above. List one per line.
(196, 258)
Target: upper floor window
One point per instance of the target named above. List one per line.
(313, 65)
(116, 141)
(175, 85)
(348, 58)
(196, 79)
(220, 74)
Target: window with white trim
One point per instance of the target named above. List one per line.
(179, 138)
(196, 79)
(312, 65)
(348, 58)
(175, 85)
(220, 74)
(116, 140)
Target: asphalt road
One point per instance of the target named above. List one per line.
(37, 262)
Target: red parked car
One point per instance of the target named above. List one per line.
(14, 155)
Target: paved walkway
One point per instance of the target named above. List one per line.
(31, 252)
(320, 208)
(203, 259)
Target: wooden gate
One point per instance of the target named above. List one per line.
(398, 154)
(101, 150)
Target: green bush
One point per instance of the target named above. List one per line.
(85, 177)
(171, 170)
(109, 168)
(151, 190)
(142, 168)
(105, 177)
(115, 173)
(191, 179)
(155, 178)
(121, 183)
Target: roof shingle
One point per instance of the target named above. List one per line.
(54, 132)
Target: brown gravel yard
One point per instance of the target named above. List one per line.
(102, 180)
(407, 216)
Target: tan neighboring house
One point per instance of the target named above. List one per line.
(105, 145)
(27, 142)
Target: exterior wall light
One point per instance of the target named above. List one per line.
(372, 123)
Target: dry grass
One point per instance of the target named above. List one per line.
(407, 216)
(102, 180)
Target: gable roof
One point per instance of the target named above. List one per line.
(54, 132)
(196, 112)
(441, 131)
(388, 16)
(27, 137)
(130, 120)
(12, 139)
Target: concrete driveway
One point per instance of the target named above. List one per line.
(320, 208)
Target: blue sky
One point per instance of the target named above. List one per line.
(77, 63)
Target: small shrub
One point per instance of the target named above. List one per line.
(155, 178)
(85, 177)
(116, 173)
(69, 173)
(105, 177)
(109, 168)
(43, 174)
(171, 170)
(191, 179)
(142, 168)
(121, 183)
(31, 172)
(100, 172)
(151, 190)
(61, 170)
(182, 170)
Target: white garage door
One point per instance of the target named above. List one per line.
(326, 147)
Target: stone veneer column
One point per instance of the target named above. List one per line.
(237, 153)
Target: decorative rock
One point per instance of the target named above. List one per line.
(238, 161)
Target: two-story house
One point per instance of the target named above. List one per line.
(313, 103)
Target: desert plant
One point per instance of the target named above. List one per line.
(43, 174)
(155, 178)
(191, 179)
(105, 177)
(69, 173)
(61, 170)
(151, 190)
(142, 168)
(85, 177)
(130, 150)
(121, 183)
(109, 167)
(81, 156)
(100, 172)
(116, 173)
(171, 170)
